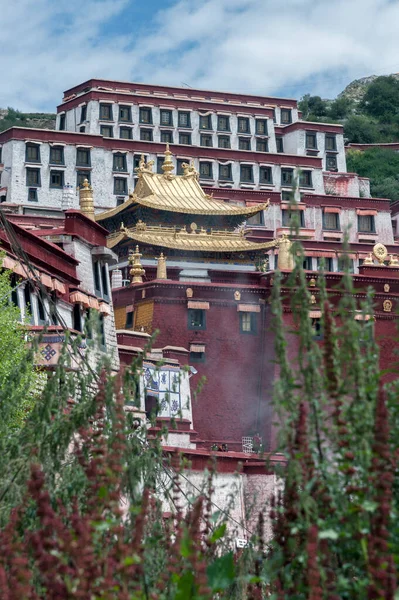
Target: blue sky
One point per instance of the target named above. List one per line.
(276, 47)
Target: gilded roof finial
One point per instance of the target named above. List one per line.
(393, 261)
(168, 165)
(86, 201)
(369, 259)
(161, 267)
(136, 272)
(380, 252)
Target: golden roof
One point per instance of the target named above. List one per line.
(177, 193)
(193, 240)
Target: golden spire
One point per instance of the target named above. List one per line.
(167, 166)
(285, 259)
(161, 267)
(86, 201)
(136, 272)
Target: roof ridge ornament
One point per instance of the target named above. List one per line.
(144, 167)
(189, 170)
(168, 166)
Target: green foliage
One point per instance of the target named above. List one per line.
(16, 118)
(381, 165)
(381, 99)
(361, 130)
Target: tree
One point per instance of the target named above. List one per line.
(381, 99)
(381, 166)
(340, 108)
(312, 106)
(358, 129)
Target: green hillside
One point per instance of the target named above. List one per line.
(14, 118)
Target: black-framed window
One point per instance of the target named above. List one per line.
(126, 133)
(107, 131)
(224, 141)
(28, 291)
(244, 143)
(345, 264)
(261, 126)
(197, 357)
(305, 179)
(82, 129)
(136, 160)
(287, 176)
(317, 328)
(179, 165)
(56, 179)
(32, 153)
(265, 175)
(32, 195)
(225, 173)
(274, 116)
(331, 221)
(366, 223)
(120, 186)
(279, 143)
(83, 113)
(62, 122)
(129, 320)
(81, 176)
(57, 155)
(125, 114)
(145, 116)
(101, 285)
(119, 162)
(331, 162)
(120, 200)
(77, 317)
(106, 112)
(160, 161)
(205, 170)
(196, 318)
(206, 140)
(41, 311)
(185, 139)
(243, 125)
(223, 123)
(33, 177)
(311, 140)
(205, 122)
(331, 142)
(327, 262)
(307, 263)
(184, 118)
(83, 157)
(248, 322)
(146, 135)
(247, 173)
(292, 215)
(286, 116)
(256, 219)
(167, 137)
(262, 145)
(166, 118)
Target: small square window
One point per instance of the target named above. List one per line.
(345, 264)
(225, 173)
(206, 170)
(146, 116)
(146, 135)
(244, 143)
(82, 129)
(256, 219)
(243, 125)
(62, 122)
(119, 162)
(331, 162)
(261, 126)
(179, 166)
(129, 320)
(291, 217)
(160, 161)
(305, 179)
(184, 119)
(136, 160)
(317, 329)
(279, 143)
(83, 157)
(167, 137)
(196, 318)
(166, 118)
(307, 263)
(33, 177)
(125, 133)
(205, 122)
(223, 123)
(197, 357)
(32, 153)
(331, 142)
(328, 264)
(206, 140)
(366, 223)
(83, 113)
(286, 116)
(331, 221)
(57, 179)
(224, 141)
(265, 175)
(120, 200)
(57, 155)
(247, 322)
(311, 140)
(32, 195)
(246, 173)
(125, 114)
(120, 186)
(185, 139)
(106, 112)
(106, 131)
(287, 176)
(81, 176)
(262, 145)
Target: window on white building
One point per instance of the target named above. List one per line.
(83, 113)
(125, 114)
(225, 173)
(106, 112)
(167, 137)
(120, 186)
(366, 223)
(206, 170)
(101, 284)
(223, 141)
(246, 173)
(119, 162)
(145, 116)
(331, 142)
(32, 195)
(32, 153)
(287, 176)
(62, 122)
(57, 155)
(166, 118)
(331, 162)
(311, 140)
(107, 131)
(57, 179)
(244, 143)
(125, 133)
(331, 221)
(279, 143)
(265, 175)
(223, 123)
(33, 177)
(185, 139)
(243, 125)
(146, 135)
(286, 116)
(261, 126)
(81, 176)
(184, 119)
(262, 145)
(205, 122)
(83, 157)
(305, 179)
(290, 216)
(206, 140)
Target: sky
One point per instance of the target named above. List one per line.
(274, 47)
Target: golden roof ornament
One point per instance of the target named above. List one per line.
(312, 282)
(387, 305)
(161, 267)
(380, 252)
(393, 261)
(189, 170)
(86, 201)
(369, 259)
(136, 272)
(144, 167)
(168, 166)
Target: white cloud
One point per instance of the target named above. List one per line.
(254, 46)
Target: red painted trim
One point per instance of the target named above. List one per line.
(308, 126)
(243, 195)
(388, 146)
(48, 135)
(139, 87)
(347, 202)
(76, 223)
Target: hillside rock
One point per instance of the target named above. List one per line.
(357, 88)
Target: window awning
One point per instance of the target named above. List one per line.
(94, 303)
(197, 348)
(46, 281)
(198, 305)
(105, 308)
(59, 286)
(79, 298)
(366, 213)
(315, 314)
(254, 308)
(359, 316)
(332, 209)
